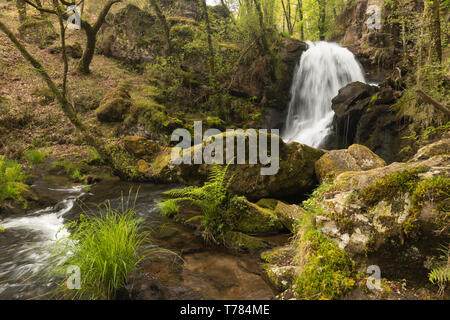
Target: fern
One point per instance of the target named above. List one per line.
(211, 198)
(441, 274)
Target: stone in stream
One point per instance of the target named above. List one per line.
(295, 176)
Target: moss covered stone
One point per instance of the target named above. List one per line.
(355, 158)
(281, 276)
(114, 105)
(241, 241)
(38, 30)
(253, 219)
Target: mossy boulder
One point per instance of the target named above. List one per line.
(355, 158)
(281, 276)
(252, 218)
(74, 51)
(114, 105)
(38, 30)
(241, 241)
(267, 203)
(370, 209)
(295, 175)
(441, 147)
(278, 255)
(141, 147)
(289, 215)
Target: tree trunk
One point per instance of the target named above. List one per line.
(22, 9)
(91, 37)
(264, 43)
(164, 24)
(436, 31)
(89, 51)
(67, 108)
(300, 10)
(210, 44)
(322, 16)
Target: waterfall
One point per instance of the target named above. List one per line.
(323, 70)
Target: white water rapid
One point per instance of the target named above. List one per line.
(324, 69)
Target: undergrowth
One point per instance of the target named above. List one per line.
(107, 248)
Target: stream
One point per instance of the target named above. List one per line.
(206, 272)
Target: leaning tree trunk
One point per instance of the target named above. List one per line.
(66, 107)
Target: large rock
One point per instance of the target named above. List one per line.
(39, 31)
(114, 105)
(441, 147)
(370, 209)
(252, 218)
(355, 158)
(363, 115)
(295, 175)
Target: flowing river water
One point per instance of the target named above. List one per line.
(205, 272)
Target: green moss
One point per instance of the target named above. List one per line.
(391, 185)
(251, 218)
(436, 190)
(242, 241)
(267, 203)
(328, 271)
(276, 255)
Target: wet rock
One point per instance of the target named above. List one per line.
(355, 158)
(241, 241)
(363, 116)
(253, 219)
(275, 94)
(114, 105)
(282, 277)
(39, 31)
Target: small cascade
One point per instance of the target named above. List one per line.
(323, 70)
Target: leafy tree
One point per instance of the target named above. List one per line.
(91, 30)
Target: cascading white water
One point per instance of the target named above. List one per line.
(324, 69)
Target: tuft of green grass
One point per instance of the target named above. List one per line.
(2, 228)
(12, 177)
(106, 248)
(34, 156)
(169, 207)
